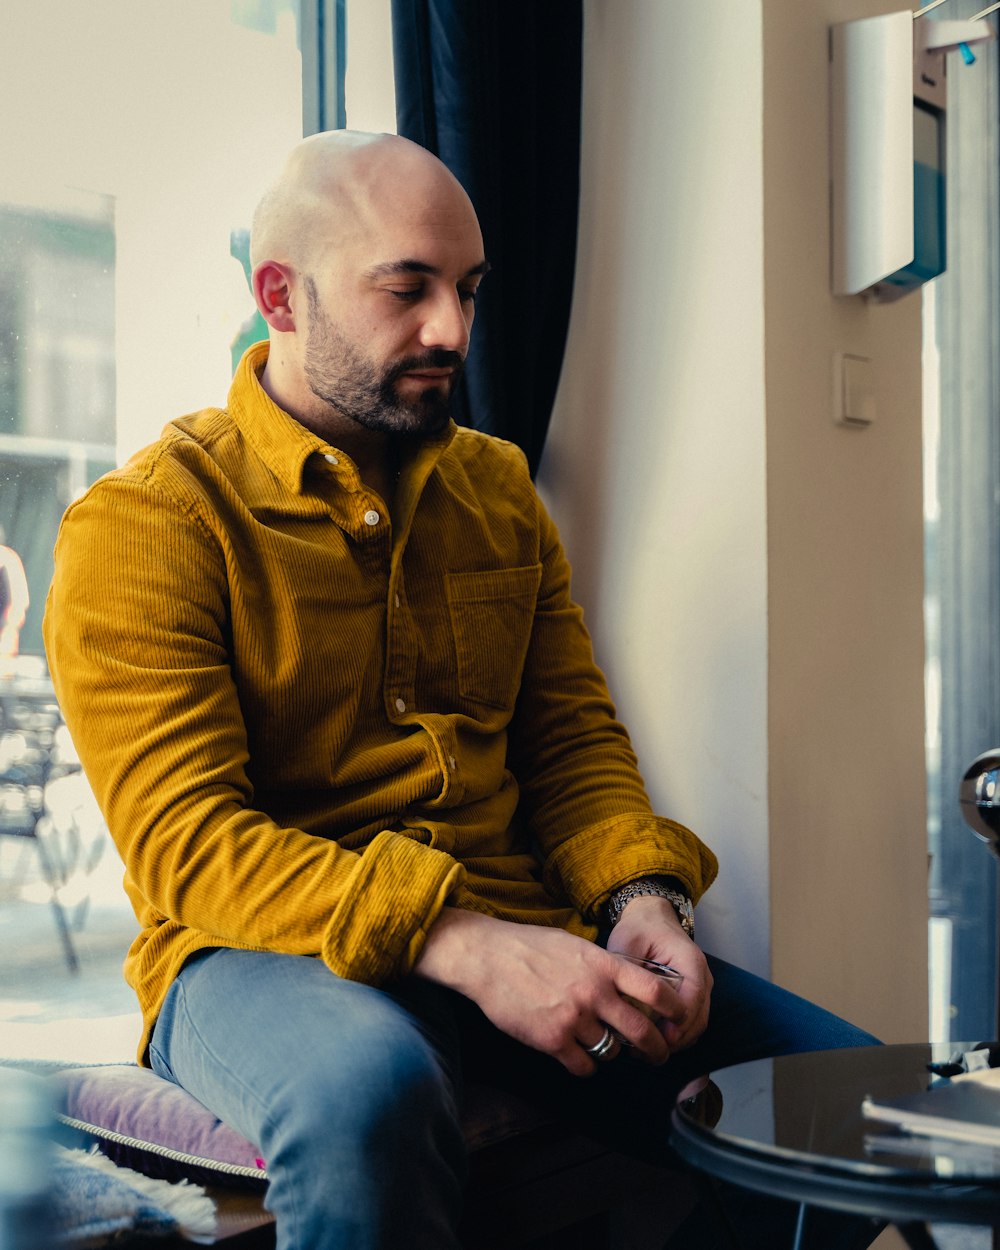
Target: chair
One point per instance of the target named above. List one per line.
(28, 762)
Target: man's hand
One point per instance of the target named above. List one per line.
(551, 990)
(649, 928)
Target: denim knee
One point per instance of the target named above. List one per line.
(395, 1091)
(345, 1090)
(387, 1135)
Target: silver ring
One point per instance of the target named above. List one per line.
(602, 1049)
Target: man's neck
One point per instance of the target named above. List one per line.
(371, 450)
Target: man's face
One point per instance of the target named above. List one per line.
(389, 323)
(384, 395)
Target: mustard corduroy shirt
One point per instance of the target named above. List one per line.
(310, 724)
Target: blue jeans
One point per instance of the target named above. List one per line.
(352, 1093)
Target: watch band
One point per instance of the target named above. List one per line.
(660, 887)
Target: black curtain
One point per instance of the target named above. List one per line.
(492, 87)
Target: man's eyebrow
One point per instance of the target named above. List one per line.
(392, 268)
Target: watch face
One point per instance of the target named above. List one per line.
(681, 904)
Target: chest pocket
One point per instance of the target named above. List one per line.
(492, 614)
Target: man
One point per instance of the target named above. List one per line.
(14, 602)
(319, 656)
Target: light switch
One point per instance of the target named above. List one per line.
(853, 389)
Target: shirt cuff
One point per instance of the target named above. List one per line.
(590, 865)
(394, 895)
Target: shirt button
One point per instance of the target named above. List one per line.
(331, 459)
(400, 705)
(397, 601)
(372, 518)
(452, 763)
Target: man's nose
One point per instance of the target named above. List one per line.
(447, 323)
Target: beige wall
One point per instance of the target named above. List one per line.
(845, 577)
(752, 572)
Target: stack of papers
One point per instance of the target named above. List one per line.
(964, 1108)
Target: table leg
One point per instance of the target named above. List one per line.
(807, 1230)
(800, 1227)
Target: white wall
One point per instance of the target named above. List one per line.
(655, 461)
(752, 572)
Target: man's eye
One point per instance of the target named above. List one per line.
(405, 293)
(468, 294)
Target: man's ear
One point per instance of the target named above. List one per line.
(272, 290)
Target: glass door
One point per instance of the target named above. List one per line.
(962, 507)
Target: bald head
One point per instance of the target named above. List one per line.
(367, 258)
(339, 184)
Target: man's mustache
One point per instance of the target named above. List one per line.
(436, 358)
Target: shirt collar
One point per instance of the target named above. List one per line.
(282, 443)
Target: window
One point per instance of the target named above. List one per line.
(142, 141)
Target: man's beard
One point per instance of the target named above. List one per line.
(338, 373)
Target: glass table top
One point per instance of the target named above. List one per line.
(806, 1111)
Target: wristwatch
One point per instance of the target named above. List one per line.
(661, 887)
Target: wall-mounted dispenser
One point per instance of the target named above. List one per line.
(888, 94)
